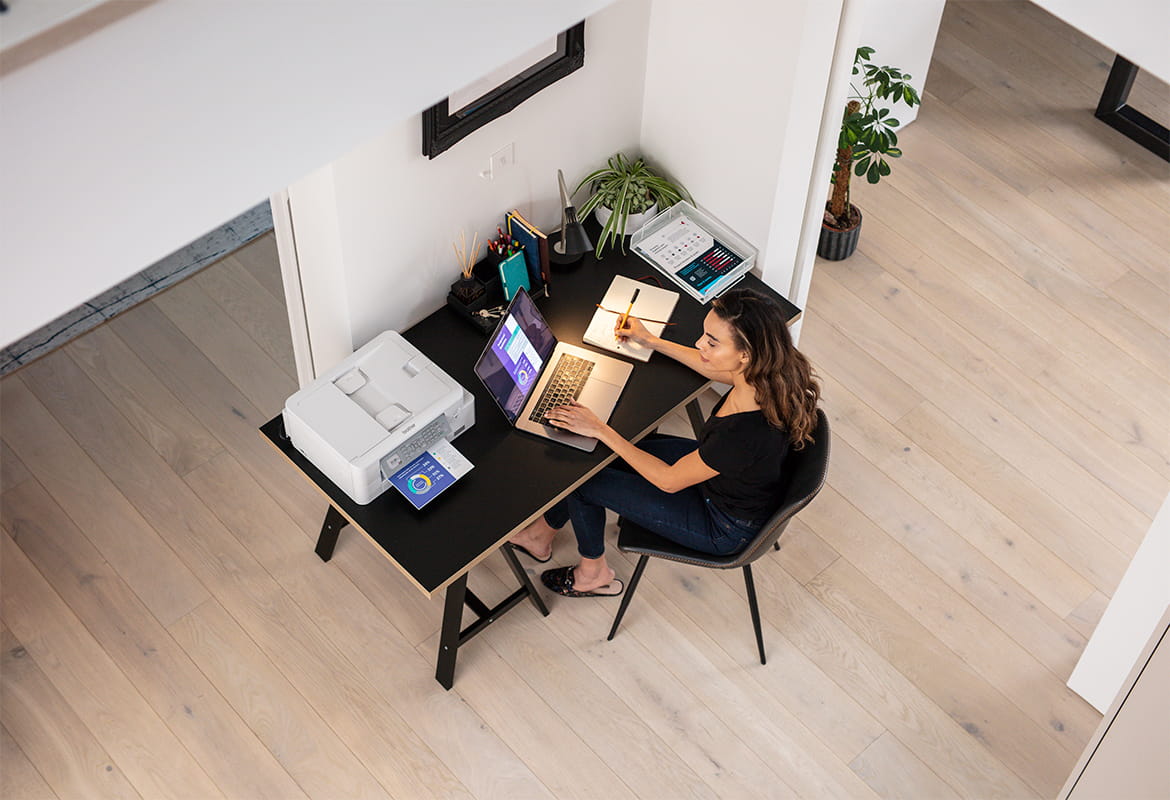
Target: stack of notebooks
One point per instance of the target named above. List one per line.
(535, 246)
(527, 269)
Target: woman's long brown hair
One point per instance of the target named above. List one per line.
(786, 386)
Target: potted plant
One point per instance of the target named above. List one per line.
(866, 142)
(624, 195)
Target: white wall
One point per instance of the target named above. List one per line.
(374, 228)
(119, 149)
(1138, 29)
(28, 18)
(902, 34)
(733, 108)
(1133, 613)
(1126, 758)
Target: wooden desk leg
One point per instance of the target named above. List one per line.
(695, 414)
(330, 530)
(522, 577)
(449, 636)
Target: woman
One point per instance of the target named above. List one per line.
(712, 495)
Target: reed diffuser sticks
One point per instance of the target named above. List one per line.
(466, 258)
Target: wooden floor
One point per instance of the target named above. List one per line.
(996, 368)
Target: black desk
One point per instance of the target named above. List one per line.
(516, 476)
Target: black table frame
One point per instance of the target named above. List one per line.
(1115, 111)
(451, 637)
(484, 515)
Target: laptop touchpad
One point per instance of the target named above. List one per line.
(599, 397)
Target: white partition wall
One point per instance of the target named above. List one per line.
(735, 93)
(1137, 29)
(374, 228)
(738, 125)
(1131, 617)
(758, 143)
(902, 34)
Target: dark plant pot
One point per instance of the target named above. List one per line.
(467, 290)
(834, 244)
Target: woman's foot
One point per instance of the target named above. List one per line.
(564, 581)
(536, 540)
(591, 575)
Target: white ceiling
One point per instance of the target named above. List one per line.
(122, 147)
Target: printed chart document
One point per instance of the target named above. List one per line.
(697, 252)
(431, 474)
(653, 306)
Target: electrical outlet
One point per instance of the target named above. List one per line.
(503, 158)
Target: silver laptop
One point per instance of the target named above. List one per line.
(528, 372)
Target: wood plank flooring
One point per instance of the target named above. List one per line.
(996, 368)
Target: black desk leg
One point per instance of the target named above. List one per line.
(330, 530)
(695, 414)
(1114, 110)
(522, 577)
(453, 636)
(449, 636)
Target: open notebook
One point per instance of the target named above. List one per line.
(653, 306)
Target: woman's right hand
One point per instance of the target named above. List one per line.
(633, 331)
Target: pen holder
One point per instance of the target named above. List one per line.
(487, 268)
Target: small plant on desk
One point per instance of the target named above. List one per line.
(624, 195)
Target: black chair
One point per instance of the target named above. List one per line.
(806, 469)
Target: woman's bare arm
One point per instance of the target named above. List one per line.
(687, 471)
(687, 356)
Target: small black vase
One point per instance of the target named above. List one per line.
(467, 290)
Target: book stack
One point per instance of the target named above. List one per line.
(535, 246)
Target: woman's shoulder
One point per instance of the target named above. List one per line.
(752, 425)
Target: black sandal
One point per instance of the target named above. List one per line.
(531, 555)
(560, 580)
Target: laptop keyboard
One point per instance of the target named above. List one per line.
(565, 384)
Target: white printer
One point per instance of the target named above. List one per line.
(374, 412)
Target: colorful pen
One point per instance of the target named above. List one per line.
(626, 316)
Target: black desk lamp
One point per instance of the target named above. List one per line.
(571, 242)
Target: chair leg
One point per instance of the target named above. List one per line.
(755, 607)
(637, 576)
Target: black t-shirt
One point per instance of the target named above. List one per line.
(749, 455)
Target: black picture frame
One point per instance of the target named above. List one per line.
(441, 129)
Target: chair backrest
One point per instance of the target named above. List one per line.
(806, 469)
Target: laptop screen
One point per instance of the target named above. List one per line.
(511, 363)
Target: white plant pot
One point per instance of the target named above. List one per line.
(633, 222)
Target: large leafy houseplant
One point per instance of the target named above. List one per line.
(868, 137)
(626, 188)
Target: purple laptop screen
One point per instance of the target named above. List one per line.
(511, 363)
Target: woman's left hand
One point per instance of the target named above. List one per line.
(576, 418)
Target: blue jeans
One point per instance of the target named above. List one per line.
(685, 517)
